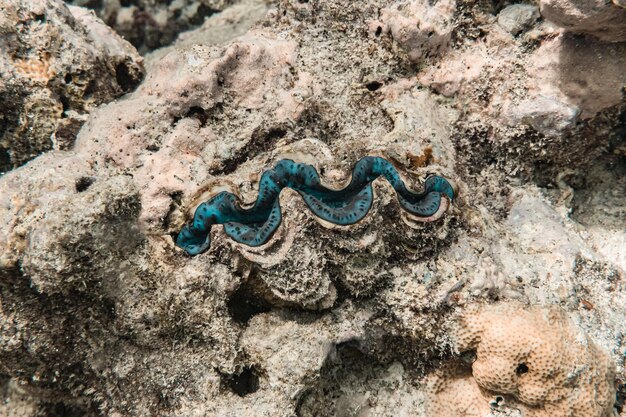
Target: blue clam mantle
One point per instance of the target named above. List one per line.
(254, 226)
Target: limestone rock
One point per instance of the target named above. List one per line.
(149, 25)
(422, 28)
(545, 114)
(604, 20)
(58, 63)
(517, 17)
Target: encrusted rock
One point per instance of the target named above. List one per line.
(148, 24)
(602, 19)
(517, 17)
(422, 28)
(545, 115)
(57, 64)
(582, 71)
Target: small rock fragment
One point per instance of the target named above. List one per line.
(518, 17)
(546, 115)
(421, 28)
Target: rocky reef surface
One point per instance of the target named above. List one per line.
(150, 24)
(57, 63)
(511, 304)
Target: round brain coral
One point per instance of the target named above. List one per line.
(538, 360)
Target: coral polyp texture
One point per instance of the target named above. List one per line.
(533, 359)
(255, 225)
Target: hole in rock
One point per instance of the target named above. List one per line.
(90, 89)
(243, 383)
(199, 114)
(469, 356)
(373, 86)
(497, 402)
(274, 133)
(202, 13)
(83, 183)
(242, 306)
(62, 409)
(124, 78)
(620, 398)
(65, 102)
(5, 160)
(521, 369)
(379, 30)
(68, 78)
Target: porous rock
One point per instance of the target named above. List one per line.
(58, 63)
(421, 28)
(101, 314)
(532, 359)
(149, 25)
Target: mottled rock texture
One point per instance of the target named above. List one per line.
(57, 64)
(101, 314)
(149, 24)
(534, 359)
(518, 17)
(603, 19)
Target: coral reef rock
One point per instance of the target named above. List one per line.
(149, 24)
(101, 314)
(57, 64)
(422, 28)
(518, 17)
(602, 19)
(531, 359)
